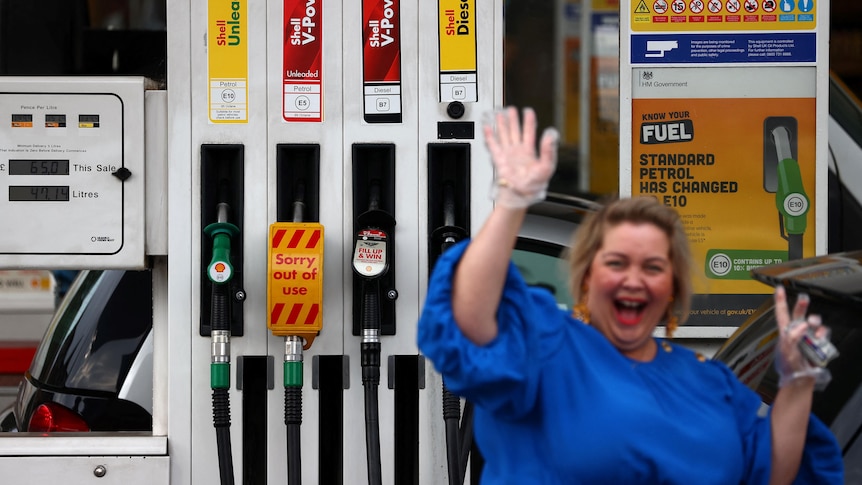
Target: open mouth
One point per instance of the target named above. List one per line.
(629, 312)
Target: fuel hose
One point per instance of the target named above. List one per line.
(370, 261)
(293, 363)
(220, 273)
(456, 457)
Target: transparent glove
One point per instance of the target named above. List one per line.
(522, 175)
(804, 349)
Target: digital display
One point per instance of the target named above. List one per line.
(88, 121)
(38, 167)
(22, 121)
(36, 193)
(55, 121)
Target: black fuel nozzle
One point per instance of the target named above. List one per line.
(449, 233)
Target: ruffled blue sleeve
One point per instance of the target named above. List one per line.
(821, 458)
(501, 376)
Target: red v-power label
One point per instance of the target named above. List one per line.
(381, 60)
(302, 87)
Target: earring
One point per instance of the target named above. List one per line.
(671, 322)
(581, 311)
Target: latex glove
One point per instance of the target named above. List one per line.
(790, 362)
(522, 176)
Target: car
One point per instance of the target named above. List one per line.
(92, 370)
(834, 284)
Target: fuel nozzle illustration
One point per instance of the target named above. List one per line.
(783, 176)
(220, 272)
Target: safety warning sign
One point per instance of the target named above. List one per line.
(722, 15)
(295, 278)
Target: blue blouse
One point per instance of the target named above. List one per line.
(556, 403)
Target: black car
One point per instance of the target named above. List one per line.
(834, 283)
(93, 368)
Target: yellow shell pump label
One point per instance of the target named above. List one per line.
(457, 34)
(295, 284)
(227, 61)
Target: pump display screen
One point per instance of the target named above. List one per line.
(35, 193)
(72, 172)
(38, 167)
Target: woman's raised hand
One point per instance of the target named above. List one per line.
(522, 174)
(790, 363)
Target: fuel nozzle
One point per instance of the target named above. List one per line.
(220, 272)
(220, 269)
(790, 198)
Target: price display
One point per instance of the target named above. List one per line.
(38, 167)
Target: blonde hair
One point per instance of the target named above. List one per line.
(588, 239)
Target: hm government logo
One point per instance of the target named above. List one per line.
(645, 78)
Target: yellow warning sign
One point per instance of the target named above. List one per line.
(295, 283)
(642, 7)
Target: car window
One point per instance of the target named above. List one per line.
(95, 337)
(540, 264)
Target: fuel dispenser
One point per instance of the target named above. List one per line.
(279, 119)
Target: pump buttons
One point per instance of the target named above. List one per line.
(455, 110)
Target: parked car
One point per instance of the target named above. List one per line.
(834, 283)
(92, 370)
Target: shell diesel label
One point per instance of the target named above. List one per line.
(457, 41)
(295, 285)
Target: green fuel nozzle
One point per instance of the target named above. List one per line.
(790, 198)
(220, 269)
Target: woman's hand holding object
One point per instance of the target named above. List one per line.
(804, 348)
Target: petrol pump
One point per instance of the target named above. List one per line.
(290, 187)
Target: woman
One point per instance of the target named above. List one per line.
(598, 399)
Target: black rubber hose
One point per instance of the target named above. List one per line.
(372, 435)
(370, 357)
(221, 421)
(293, 420)
(220, 307)
(451, 417)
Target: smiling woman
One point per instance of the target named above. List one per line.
(548, 386)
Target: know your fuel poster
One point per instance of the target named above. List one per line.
(727, 124)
